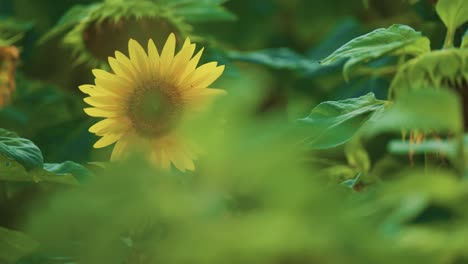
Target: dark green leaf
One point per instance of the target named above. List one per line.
(20, 149)
(281, 59)
(11, 170)
(68, 168)
(395, 40)
(464, 44)
(14, 245)
(333, 123)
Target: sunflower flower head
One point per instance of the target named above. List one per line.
(147, 97)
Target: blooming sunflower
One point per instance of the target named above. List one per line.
(147, 97)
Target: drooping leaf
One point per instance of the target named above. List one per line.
(425, 109)
(441, 68)
(68, 168)
(20, 149)
(453, 13)
(333, 123)
(280, 59)
(395, 40)
(14, 245)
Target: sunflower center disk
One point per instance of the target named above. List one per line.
(152, 111)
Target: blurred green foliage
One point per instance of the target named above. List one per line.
(342, 138)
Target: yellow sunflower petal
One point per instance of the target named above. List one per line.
(97, 112)
(126, 64)
(153, 55)
(138, 56)
(205, 79)
(182, 58)
(107, 140)
(119, 69)
(197, 100)
(167, 55)
(120, 147)
(112, 83)
(109, 126)
(103, 101)
(191, 66)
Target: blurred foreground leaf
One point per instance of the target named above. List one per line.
(14, 245)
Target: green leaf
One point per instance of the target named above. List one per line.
(395, 40)
(453, 13)
(14, 245)
(12, 171)
(425, 109)
(464, 44)
(280, 59)
(70, 19)
(441, 68)
(205, 13)
(334, 123)
(20, 149)
(68, 168)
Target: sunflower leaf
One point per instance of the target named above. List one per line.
(334, 123)
(69, 20)
(20, 149)
(420, 110)
(395, 40)
(453, 13)
(14, 245)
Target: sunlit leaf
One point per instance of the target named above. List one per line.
(452, 12)
(333, 123)
(14, 245)
(20, 149)
(395, 40)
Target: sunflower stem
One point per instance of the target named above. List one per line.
(448, 43)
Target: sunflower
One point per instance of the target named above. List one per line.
(147, 97)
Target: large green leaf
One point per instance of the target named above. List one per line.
(333, 123)
(14, 245)
(395, 40)
(425, 109)
(453, 13)
(20, 149)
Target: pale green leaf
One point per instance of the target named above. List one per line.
(395, 40)
(334, 123)
(452, 12)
